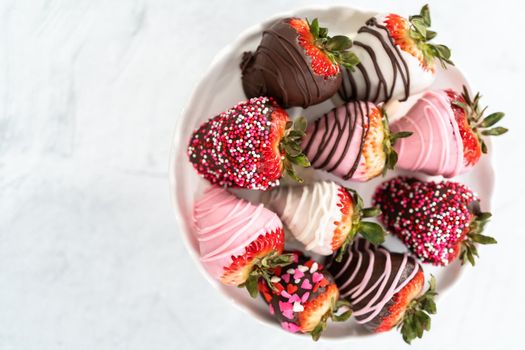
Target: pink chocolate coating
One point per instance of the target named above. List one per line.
(435, 147)
(333, 142)
(225, 225)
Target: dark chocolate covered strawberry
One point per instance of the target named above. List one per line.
(438, 221)
(396, 58)
(303, 296)
(384, 289)
(297, 63)
(250, 145)
(447, 129)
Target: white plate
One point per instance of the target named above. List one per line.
(220, 88)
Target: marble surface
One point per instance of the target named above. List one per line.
(90, 256)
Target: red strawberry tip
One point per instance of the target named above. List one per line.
(369, 230)
(290, 147)
(416, 319)
(339, 312)
(474, 113)
(420, 32)
(335, 48)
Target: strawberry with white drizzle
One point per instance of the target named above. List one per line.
(324, 216)
(447, 128)
(396, 58)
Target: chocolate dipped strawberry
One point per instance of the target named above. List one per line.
(303, 296)
(385, 289)
(396, 58)
(239, 242)
(448, 129)
(249, 146)
(324, 216)
(438, 221)
(296, 63)
(352, 141)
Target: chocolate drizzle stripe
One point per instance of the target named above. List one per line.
(304, 88)
(393, 54)
(364, 134)
(312, 138)
(351, 132)
(349, 90)
(340, 129)
(330, 130)
(381, 79)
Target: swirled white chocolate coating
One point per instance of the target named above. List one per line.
(386, 71)
(309, 212)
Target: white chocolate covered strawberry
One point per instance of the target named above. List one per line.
(396, 58)
(324, 216)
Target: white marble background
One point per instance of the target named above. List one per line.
(90, 255)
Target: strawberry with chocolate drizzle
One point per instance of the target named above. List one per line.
(396, 58)
(448, 129)
(438, 221)
(385, 289)
(297, 63)
(324, 216)
(303, 296)
(352, 141)
(249, 146)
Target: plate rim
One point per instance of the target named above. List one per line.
(176, 146)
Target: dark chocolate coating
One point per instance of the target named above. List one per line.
(280, 68)
(277, 298)
(345, 269)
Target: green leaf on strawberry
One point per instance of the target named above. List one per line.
(335, 48)
(417, 315)
(420, 33)
(369, 230)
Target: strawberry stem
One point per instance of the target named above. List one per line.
(332, 314)
(369, 230)
(262, 268)
(420, 32)
(477, 123)
(335, 48)
(469, 250)
(416, 319)
(290, 147)
(389, 142)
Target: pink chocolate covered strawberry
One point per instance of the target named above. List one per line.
(296, 63)
(396, 58)
(352, 141)
(250, 145)
(385, 289)
(238, 241)
(447, 129)
(303, 296)
(438, 221)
